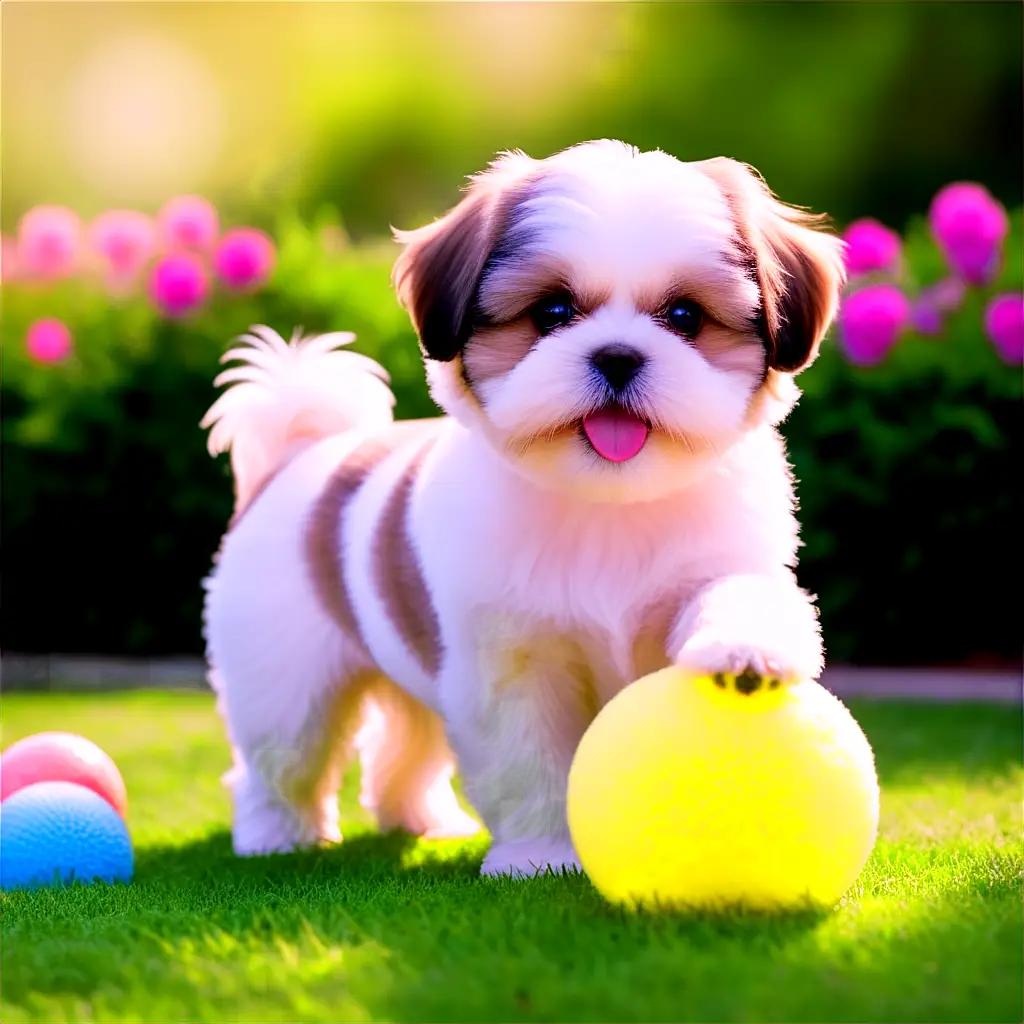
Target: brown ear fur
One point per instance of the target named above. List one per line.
(799, 266)
(437, 274)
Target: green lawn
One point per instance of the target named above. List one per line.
(385, 928)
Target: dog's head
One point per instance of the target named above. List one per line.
(613, 320)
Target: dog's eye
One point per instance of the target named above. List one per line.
(552, 312)
(684, 316)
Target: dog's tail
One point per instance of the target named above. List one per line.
(283, 396)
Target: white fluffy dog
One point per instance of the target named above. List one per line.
(613, 335)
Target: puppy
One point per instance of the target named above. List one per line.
(613, 335)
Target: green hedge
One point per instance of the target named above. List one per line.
(112, 508)
(909, 489)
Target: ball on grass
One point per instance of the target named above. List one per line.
(58, 832)
(61, 757)
(712, 792)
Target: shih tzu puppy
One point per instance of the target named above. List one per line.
(613, 335)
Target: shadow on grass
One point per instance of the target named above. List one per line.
(409, 930)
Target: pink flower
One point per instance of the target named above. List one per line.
(179, 285)
(9, 268)
(928, 313)
(126, 240)
(48, 341)
(969, 225)
(870, 321)
(245, 258)
(871, 246)
(1004, 321)
(926, 317)
(49, 242)
(189, 222)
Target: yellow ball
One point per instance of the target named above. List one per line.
(690, 790)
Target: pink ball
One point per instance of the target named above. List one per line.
(49, 242)
(1004, 322)
(179, 284)
(189, 222)
(48, 341)
(870, 321)
(871, 246)
(62, 757)
(125, 239)
(970, 226)
(245, 258)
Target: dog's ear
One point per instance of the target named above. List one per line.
(799, 265)
(439, 270)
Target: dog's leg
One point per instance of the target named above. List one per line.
(290, 685)
(515, 722)
(407, 766)
(286, 774)
(765, 625)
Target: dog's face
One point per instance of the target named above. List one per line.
(614, 320)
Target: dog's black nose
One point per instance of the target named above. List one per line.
(617, 363)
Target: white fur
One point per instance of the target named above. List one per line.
(285, 395)
(542, 566)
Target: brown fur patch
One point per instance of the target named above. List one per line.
(399, 578)
(512, 287)
(798, 266)
(497, 348)
(718, 290)
(323, 529)
(730, 350)
(495, 351)
(439, 269)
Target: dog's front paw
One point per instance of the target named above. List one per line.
(750, 666)
(733, 659)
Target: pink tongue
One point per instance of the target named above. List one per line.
(615, 434)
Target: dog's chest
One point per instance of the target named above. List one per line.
(518, 650)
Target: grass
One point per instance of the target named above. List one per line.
(386, 928)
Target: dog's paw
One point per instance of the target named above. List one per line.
(529, 857)
(748, 665)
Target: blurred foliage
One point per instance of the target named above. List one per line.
(113, 509)
(911, 520)
(836, 104)
(379, 109)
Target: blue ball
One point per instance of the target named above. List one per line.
(54, 832)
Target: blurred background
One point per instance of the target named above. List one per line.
(320, 125)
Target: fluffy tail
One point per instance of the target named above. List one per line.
(284, 396)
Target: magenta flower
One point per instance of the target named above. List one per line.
(189, 222)
(870, 321)
(926, 317)
(871, 246)
(49, 242)
(929, 310)
(1004, 321)
(125, 240)
(179, 284)
(969, 225)
(48, 341)
(244, 258)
